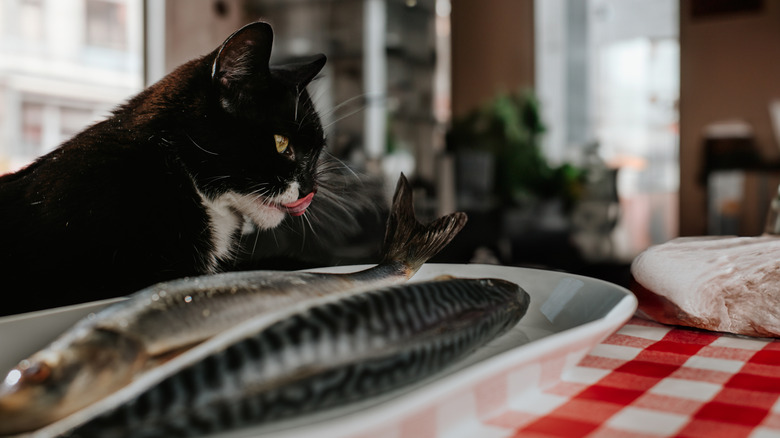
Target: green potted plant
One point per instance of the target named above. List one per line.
(509, 128)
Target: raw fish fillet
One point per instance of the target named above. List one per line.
(726, 284)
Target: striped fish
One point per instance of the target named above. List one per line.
(329, 354)
(107, 350)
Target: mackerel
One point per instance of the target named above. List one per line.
(326, 354)
(105, 351)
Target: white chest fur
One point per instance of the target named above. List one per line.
(227, 212)
(224, 222)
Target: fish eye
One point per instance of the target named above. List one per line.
(282, 144)
(13, 377)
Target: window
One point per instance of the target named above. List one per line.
(54, 85)
(31, 20)
(106, 24)
(32, 129)
(608, 71)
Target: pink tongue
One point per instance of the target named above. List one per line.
(299, 207)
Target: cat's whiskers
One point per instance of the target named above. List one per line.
(309, 112)
(310, 217)
(342, 104)
(262, 193)
(326, 115)
(260, 187)
(262, 198)
(311, 109)
(303, 232)
(273, 234)
(312, 220)
(257, 187)
(335, 202)
(328, 165)
(349, 114)
(199, 146)
(164, 141)
(254, 245)
(298, 92)
(213, 179)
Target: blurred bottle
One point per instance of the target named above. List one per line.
(597, 212)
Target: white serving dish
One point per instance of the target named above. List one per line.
(568, 316)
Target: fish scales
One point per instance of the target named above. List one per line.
(194, 314)
(113, 346)
(327, 355)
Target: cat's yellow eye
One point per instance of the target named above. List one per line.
(282, 143)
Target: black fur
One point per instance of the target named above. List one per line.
(121, 205)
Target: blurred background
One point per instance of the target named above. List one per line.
(575, 133)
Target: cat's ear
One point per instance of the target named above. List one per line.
(301, 71)
(241, 64)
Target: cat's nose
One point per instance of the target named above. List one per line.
(306, 185)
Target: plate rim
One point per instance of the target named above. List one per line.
(396, 409)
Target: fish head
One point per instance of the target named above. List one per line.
(500, 285)
(520, 298)
(66, 376)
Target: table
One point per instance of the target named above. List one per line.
(644, 380)
(650, 380)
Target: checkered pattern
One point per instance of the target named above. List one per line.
(649, 380)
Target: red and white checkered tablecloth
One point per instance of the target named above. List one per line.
(649, 380)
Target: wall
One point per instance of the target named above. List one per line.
(196, 27)
(729, 69)
(492, 50)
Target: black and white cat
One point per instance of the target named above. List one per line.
(161, 189)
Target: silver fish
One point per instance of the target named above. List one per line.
(328, 354)
(104, 352)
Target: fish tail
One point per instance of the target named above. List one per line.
(407, 240)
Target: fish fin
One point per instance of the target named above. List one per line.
(410, 242)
